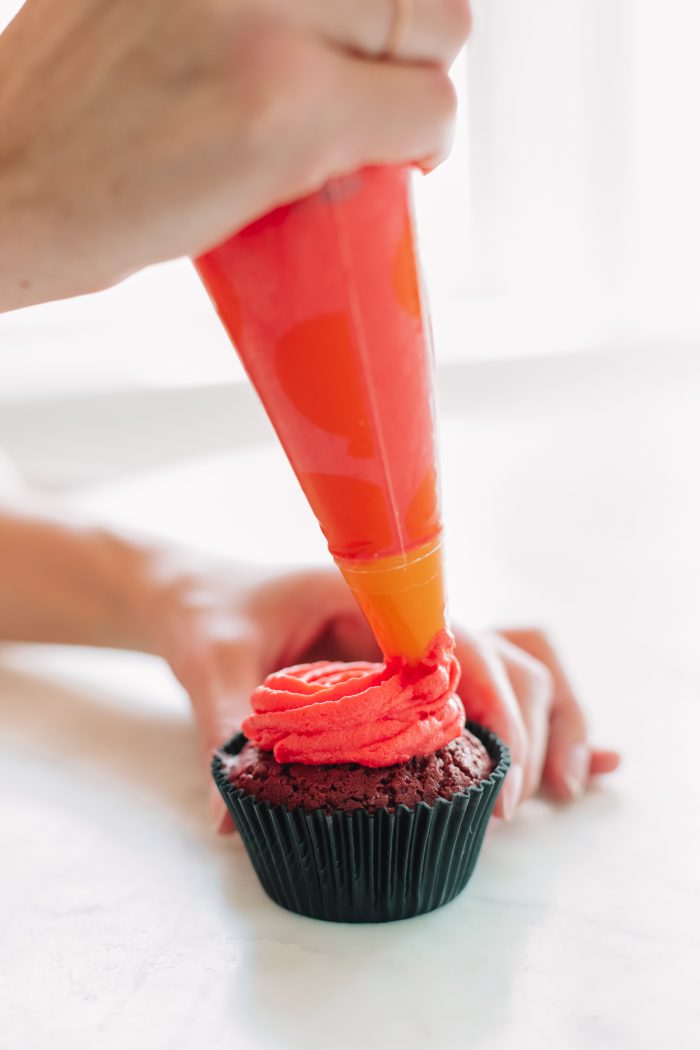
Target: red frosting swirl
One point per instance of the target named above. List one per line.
(372, 714)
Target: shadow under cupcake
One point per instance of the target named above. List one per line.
(351, 843)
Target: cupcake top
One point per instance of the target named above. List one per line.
(375, 715)
(451, 769)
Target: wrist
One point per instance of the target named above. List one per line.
(15, 290)
(66, 582)
(30, 270)
(153, 585)
(115, 588)
(125, 568)
(45, 249)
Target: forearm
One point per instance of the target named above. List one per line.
(66, 582)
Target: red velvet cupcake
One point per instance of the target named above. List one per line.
(360, 795)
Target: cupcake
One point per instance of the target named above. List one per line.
(358, 790)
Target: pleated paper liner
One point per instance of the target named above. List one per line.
(361, 867)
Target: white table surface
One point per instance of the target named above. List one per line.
(571, 495)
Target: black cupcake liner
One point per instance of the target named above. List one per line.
(361, 867)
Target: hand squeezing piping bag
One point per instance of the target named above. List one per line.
(322, 301)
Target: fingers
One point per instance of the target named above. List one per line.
(218, 719)
(533, 688)
(392, 114)
(323, 112)
(569, 762)
(567, 765)
(513, 682)
(422, 30)
(604, 762)
(489, 699)
(220, 682)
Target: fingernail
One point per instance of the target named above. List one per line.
(427, 165)
(576, 768)
(512, 790)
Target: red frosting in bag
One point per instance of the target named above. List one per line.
(372, 714)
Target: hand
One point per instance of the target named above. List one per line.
(513, 682)
(224, 631)
(137, 131)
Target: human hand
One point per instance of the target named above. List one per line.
(514, 683)
(138, 131)
(224, 631)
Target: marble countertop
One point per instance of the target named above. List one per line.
(571, 498)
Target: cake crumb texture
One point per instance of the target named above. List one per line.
(457, 766)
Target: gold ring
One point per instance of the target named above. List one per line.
(398, 32)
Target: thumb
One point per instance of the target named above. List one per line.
(219, 708)
(220, 819)
(216, 733)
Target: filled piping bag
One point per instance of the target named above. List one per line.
(323, 302)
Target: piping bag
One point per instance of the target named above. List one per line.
(323, 302)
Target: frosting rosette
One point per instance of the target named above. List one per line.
(370, 713)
